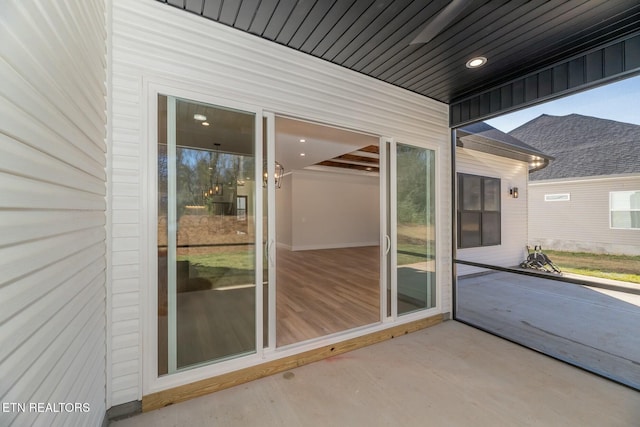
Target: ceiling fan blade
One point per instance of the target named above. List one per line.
(440, 21)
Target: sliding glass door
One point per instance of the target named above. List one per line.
(412, 225)
(209, 196)
(218, 174)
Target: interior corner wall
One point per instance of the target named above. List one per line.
(334, 210)
(512, 173)
(52, 210)
(154, 43)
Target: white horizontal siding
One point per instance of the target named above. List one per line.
(155, 43)
(52, 209)
(581, 223)
(512, 173)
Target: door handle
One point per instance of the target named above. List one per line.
(270, 254)
(387, 240)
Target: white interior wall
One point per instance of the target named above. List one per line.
(157, 44)
(52, 209)
(283, 212)
(334, 210)
(512, 173)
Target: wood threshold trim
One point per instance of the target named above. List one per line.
(220, 382)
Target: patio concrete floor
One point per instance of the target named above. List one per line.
(447, 375)
(593, 328)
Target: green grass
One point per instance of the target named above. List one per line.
(224, 268)
(419, 253)
(616, 267)
(242, 260)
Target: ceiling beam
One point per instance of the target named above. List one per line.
(356, 158)
(333, 164)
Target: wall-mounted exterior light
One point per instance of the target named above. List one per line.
(513, 192)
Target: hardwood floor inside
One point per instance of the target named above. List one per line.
(320, 292)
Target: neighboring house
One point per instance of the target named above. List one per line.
(492, 170)
(588, 198)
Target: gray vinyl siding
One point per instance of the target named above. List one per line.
(52, 209)
(512, 173)
(582, 223)
(155, 43)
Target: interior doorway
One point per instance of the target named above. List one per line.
(328, 230)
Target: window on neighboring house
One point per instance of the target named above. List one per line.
(478, 211)
(564, 197)
(625, 209)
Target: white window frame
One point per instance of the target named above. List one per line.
(611, 210)
(559, 197)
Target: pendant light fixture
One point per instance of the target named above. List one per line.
(215, 189)
(279, 172)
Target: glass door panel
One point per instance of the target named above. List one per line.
(268, 232)
(415, 273)
(387, 213)
(206, 233)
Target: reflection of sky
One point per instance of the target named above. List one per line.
(617, 101)
(190, 156)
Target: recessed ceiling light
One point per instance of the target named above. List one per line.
(302, 154)
(205, 123)
(303, 140)
(476, 62)
(200, 117)
(369, 169)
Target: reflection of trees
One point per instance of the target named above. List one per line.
(163, 173)
(199, 170)
(416, 185)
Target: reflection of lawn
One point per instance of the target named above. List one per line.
(235, 260)
(223, 268)
(415, 243)
(411, 253)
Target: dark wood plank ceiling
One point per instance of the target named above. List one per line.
(365, 159)
(373, 36)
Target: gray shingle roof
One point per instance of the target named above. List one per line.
(582, 146)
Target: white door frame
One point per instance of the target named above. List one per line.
(271, 251)
(150, 381)
(392, 221)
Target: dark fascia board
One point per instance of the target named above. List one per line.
(584, 71)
